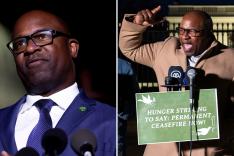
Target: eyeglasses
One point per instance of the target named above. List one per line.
(39, 38)
(190, 32)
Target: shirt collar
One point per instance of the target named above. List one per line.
(194, 59)
(62, 98)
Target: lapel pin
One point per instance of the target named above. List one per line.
(83, 108)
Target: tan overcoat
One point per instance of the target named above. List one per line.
(218, 65)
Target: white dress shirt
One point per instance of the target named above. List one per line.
(193, 59)
(28, 115)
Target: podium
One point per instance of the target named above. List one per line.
(167, 117)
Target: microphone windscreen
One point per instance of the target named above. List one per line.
(54, 139)
(177, 73)
(27, 151)
(195, 74)
(191, 73)
(81, 138)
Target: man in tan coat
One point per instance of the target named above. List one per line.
(197, 47)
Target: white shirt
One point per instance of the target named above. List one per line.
(193, 59)
(28, 115)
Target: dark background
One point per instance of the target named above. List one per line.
(93, 24)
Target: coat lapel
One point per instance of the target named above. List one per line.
(79, 109)
(8, 132)
(208, 53)
(76, 112)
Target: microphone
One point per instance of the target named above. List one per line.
(177, 73)
(191, 73)
(84, 142)
(54, 141)
(175, 78)
(169, 82)
(27, 151)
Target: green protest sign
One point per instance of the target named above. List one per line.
(166, 117)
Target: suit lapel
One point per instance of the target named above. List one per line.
(76, 112)
(8, 132)
(73, 116)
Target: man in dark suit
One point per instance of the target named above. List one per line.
(44, 50)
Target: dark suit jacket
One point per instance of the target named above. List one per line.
(98, 117)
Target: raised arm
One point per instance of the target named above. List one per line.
(147, 17)
(131, 35)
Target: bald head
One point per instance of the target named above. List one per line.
(38, 18)
(202, 18)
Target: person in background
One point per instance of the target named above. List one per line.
(44, 52)
(195, 46)
(127, 87)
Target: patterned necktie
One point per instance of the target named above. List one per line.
(44, 123)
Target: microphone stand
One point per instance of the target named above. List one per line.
(191, 104)
(179, 143)
(191, 73)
